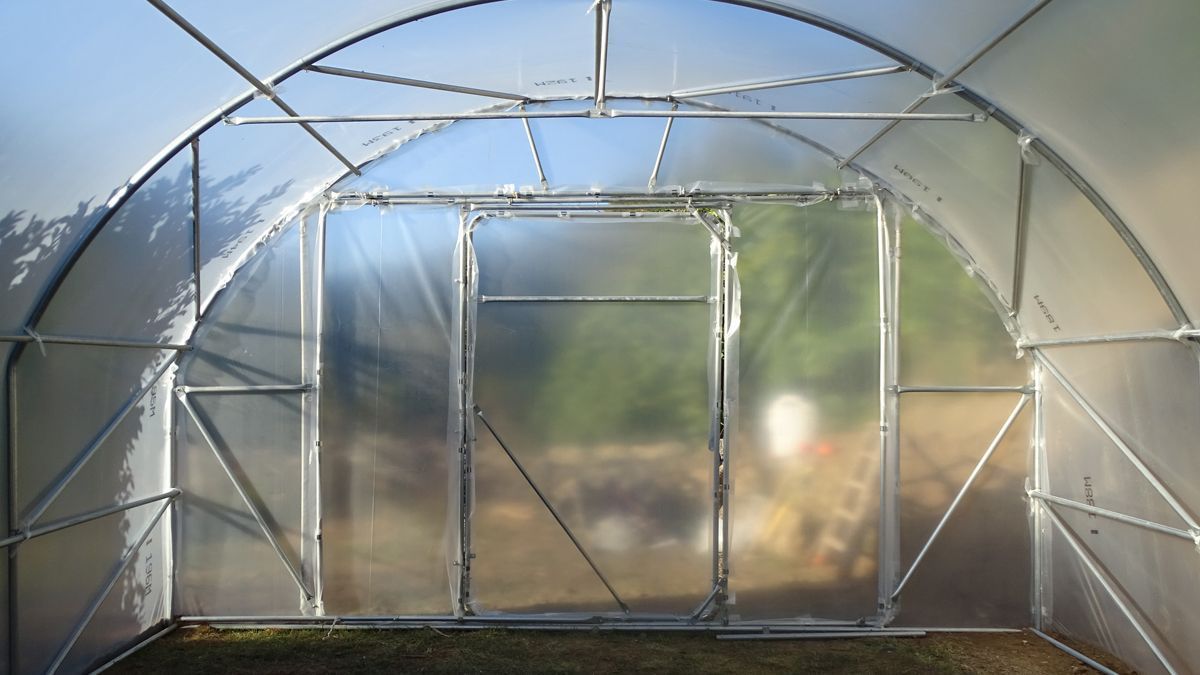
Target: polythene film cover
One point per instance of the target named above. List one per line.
(606, 407)
(977, 571)
(806, 455)
(250, 336)
(1084, 105)
(386, 351)
(1149, 394)
(949, 331)
(59, 576)
(135, 279)
(94, 383)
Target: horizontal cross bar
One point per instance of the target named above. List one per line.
(88, 517)
(595, 298)
(951, 389)
(593, 113)
(247, 389)
(94, 342)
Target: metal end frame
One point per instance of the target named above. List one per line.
(312, 272)
(247, 499)
(462, 404)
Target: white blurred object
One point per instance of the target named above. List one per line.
(792, 421)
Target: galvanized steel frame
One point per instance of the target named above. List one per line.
(123, 193)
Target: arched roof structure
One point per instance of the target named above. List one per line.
(1050, 143)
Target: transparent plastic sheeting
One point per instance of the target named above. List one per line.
(249, 337)
(806, 455)
(949, 331)
(385, 400)
(135, 280)
(59, 576)
(1083, 106)
(605, 404)
(1085, 466)
(977, 572)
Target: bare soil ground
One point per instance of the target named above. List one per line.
(205, 650)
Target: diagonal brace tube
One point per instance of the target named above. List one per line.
(108, 586)
(410, 82)
(246, 498)
(991, 450)
(250, 77)
(1107, 583)
(553, 511)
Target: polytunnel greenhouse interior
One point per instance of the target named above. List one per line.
(683, 314)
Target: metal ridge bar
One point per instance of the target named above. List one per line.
(962, 492)
(603, 9)
(591, 113)
(537, 160)
(1114, 515)
(1124, 447)
(246, 498)
(954, 389)
(553, 511)
(1085, 557)
(795, 81)
(410, 82)
(98, 440)
(42, 338)
(88, 517)
(258, 84)
(595, 298)
(573, 199)
(1179, 335)
(1077, 654)
(244, 389)
(98, 600)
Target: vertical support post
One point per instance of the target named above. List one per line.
(312, 284)
(888, 245)
(170, 482)
(1025, 161)
(196, 226)
(603, 12)
(1039, 547)
(462, 435)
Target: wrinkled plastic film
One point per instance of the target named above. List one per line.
(806, 492)
(461, 435)
(385, 397)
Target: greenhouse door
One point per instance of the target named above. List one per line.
(593, 367)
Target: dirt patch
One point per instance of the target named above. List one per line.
(205, 650)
